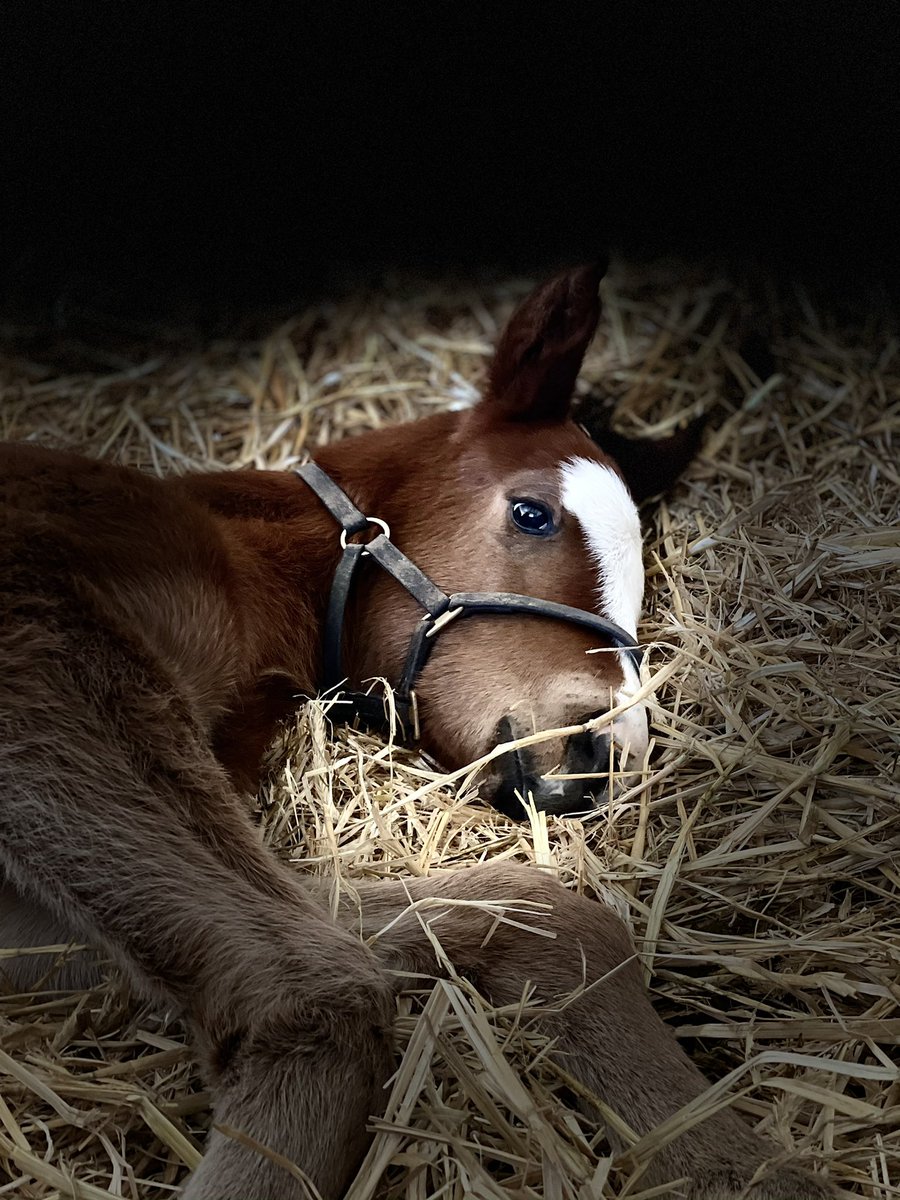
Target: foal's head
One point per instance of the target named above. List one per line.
(514, 496)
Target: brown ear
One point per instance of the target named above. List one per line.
(650, 466)
(540, 351)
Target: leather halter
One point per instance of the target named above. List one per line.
(440, 609)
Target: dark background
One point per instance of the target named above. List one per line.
(165, 159)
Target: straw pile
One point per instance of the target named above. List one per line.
(757, 861)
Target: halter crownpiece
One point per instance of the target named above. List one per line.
(440, 609)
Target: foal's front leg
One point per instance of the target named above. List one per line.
(609, 1037)
(132, 836)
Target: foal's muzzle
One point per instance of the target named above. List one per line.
(577, 788)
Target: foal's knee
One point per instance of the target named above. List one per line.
(527, 926)
(334, 1004)
(302, 1079)
(576, 940)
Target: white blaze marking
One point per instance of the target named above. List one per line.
(598, 498)
(600, 501)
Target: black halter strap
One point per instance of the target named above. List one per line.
(439, 608)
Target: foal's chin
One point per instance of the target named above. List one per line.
(551, 795)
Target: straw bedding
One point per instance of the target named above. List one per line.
(757, 860)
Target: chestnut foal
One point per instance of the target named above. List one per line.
(154, 632)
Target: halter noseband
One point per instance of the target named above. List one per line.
(440, 609)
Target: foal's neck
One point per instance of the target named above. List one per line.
(283, 547)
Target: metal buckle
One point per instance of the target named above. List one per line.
(443, 620)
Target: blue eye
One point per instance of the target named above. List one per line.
(530, 516)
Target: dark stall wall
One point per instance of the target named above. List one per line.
(157, 154)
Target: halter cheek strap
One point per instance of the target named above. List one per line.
(439, 608)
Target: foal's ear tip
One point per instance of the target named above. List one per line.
(539, 353)
(589, 274)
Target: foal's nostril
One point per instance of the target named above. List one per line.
(587, 754)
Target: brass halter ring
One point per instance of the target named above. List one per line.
(382, 525)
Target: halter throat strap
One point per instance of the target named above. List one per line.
(440, 609)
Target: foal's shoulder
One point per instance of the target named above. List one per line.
(90, 549)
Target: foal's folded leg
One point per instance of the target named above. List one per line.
(290, 1013)
(609, 1037)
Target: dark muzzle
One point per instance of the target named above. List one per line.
(577, 789)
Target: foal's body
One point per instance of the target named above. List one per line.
(152, 634)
